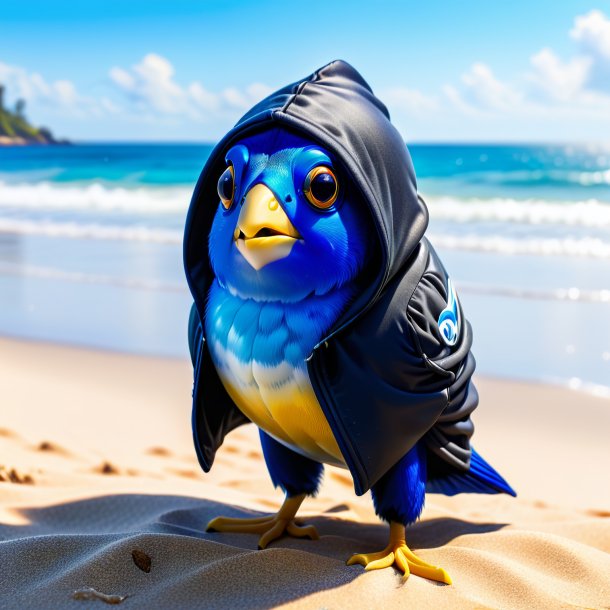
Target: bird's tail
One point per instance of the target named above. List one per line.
(480, 478)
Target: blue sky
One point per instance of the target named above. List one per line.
(186, 70)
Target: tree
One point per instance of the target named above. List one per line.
(20, 108)
(1, 97)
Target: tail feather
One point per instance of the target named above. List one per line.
(481, 478)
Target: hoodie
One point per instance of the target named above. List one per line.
(395, 369)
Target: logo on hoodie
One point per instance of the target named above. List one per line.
(449, 320)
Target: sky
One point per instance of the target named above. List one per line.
(472, 71)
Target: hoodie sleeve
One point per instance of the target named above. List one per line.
(442, 337)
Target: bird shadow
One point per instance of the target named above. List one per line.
(94, 540)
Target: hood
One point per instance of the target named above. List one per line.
(336, 108)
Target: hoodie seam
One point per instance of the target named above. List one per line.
(314, 77)
(300, 88)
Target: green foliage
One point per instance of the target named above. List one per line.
(6, 127)
(15, 125)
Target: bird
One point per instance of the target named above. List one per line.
(343, 345)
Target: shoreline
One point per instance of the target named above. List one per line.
(515, 421)
(571, 385)
(6, 141)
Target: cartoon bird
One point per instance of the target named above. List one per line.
(323, 315)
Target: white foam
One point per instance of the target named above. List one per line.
(589, 213)
(96, 197)
(76, 230)
(551, 294)
(586, 247)
(50, 196)
(593, 178)
(52, 273)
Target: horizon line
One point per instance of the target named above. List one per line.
(422, 142)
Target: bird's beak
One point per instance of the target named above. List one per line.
(263, 233)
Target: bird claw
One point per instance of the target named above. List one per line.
(270, 528)
(398, 554)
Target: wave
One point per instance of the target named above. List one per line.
(586, 247)
(573, 293)
(47, 196)
(90, 231)
(51, 273)
(168, 200)
(545, 177)
(589, 213)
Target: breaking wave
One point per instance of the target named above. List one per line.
(52, 273)
(586, 247)
(90, 231)
(589, 213)
(47, 196)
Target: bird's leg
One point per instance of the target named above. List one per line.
(271, 527)
(397, 553)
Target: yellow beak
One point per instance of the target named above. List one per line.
(263, 233)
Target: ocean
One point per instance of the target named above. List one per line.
(90, 249)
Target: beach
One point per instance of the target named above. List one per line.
(349, 227)
(101, 488)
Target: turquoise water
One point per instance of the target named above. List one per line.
(90, 249)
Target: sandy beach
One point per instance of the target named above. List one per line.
(96, 463)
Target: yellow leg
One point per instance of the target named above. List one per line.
(270, 527)
(399, 554)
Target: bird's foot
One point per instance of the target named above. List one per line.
(271, 527)
(398, 554)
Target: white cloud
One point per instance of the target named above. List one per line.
(147, 92)
(593, 32)
(552, 89)
(490, 93)
(151, 85)
(203, 98)
(409, 101)
(455, 97)
(258, 91)
(32, 87)
(560, 81)
(109, 106)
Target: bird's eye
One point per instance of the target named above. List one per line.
(226, 187)
(321, 187)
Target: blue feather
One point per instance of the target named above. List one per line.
(271, 316)
(257, 330)
(291, 471)
(270, 349)
(481, 478)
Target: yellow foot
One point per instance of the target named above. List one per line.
(271, 527)
(397, 553)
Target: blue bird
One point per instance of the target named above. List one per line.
(325, 317)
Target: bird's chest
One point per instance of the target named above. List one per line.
(260, 358)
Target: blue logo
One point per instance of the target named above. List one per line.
(449, 320)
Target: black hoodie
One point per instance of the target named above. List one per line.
(383, 375)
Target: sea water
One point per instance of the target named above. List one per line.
(91, 237)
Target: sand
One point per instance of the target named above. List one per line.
(102, 490)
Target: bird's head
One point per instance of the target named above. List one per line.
(289, 224)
